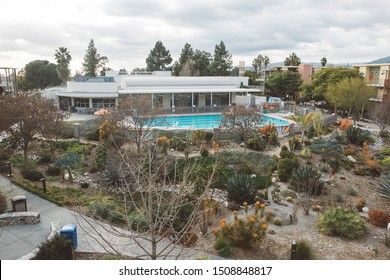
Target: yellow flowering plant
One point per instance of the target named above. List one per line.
(244, 232)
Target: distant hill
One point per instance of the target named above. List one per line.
(381, 60)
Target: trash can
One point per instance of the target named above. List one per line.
(19, 203)
(70, 232)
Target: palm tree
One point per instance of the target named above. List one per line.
(257, 62)
(324, 61)
(63, 58)
(303, 121)
(292, 60)
(266, 61)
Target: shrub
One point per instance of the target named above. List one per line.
(345, 124)
(92, 135)
(45, 157)
(241, 188)
(285, 166)
(67, 132)
(378, 218)
(343, 222)
(339, 198)
(285, 153)
(53, 170)
(294, 144)
(360, 203)
(324, 167)
(71, 160)
(30, 173)
(244, 232)
(137, 221)
(256, 143)
(385, 151)
(277, 221)
(178, 143)
(197, 136)
(58, 248)
(358, 136)
(385, 162)
(222, 245)
(307, 179)
(352, 191)
(3, 203)
(204, 151)
(305, 153)
(304, 250)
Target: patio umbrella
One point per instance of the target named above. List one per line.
(102, 112)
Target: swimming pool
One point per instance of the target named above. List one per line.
(205, 122)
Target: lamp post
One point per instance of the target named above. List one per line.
(43, 180)
(9, 169)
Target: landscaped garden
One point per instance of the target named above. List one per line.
(254, 203)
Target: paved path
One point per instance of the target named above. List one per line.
(19, 240)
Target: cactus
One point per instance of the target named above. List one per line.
(70, 175)
(62, 172)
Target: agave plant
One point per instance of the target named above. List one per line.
(241, 188)
(307, 179)
(356, 135)
(384, 187)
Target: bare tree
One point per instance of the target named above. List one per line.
(380, 114)
(26, 115)
(159, 201)
(245, 121)
(136, 114)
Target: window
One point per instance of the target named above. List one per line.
(81, 102)
(103, 103)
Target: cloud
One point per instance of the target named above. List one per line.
(126, 30)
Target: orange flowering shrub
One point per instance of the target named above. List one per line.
(215, 147)
(367, 157)
(267, 130)
(344, 124)
(360, 203)
(163, 142)
(244, 232)
(105, 129)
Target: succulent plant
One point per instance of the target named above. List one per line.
(241, 188)
(307, 179)
(384, 187)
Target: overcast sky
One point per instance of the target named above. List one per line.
(343, 31)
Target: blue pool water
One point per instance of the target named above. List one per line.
(205, 122)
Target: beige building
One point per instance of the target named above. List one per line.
(376, 75)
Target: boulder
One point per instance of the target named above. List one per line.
(288, 193)
(351, 159)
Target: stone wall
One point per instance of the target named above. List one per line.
(19, 218)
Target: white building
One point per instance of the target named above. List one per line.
(168, 92)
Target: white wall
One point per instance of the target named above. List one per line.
(91, 87)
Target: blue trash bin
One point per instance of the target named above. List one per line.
(70, 232)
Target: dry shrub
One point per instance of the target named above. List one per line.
(379, 218)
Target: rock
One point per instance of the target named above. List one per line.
(253, 175)
(365, 210)
(274, 180)
(288, 193)
(242, 145)
(232, 205)
(351, 159)
(66, 176)
(271, 231)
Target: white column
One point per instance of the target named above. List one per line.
(192, 100)
(230, 99)
(90, 103)
(173, 99)
(211, 99)
(152, 100)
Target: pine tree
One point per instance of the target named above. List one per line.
(159, 58)
(222, 62)
(93, 61)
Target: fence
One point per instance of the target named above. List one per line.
(81, 129)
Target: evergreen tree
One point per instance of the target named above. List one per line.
(324, 61)
(222, 62)
(159, 58)
(185, 65)
(202, 63)
(40, 74)
(93, 61)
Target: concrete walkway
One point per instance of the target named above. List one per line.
(19, 240)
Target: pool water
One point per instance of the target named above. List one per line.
(205, 122)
